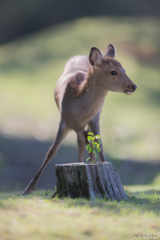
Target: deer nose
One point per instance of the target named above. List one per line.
(134, 87)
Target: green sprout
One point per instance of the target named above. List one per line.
(93, 145)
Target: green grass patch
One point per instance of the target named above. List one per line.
(37, 216)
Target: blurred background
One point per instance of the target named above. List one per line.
(36, 39)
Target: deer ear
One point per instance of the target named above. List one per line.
(110, 52)
(95, 57)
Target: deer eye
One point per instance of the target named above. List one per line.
(113, 73)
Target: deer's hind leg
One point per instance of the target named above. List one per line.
(82, 141)
(62, 132)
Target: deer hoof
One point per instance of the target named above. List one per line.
(30, 188)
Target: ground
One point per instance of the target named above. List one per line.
(37, 216)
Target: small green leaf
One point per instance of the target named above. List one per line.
(90, 150)
(94, 151)
(89, 138)
(90, 133)
(99, 141)
(96, 145)
(99, 149)
(88, 145)
(97, 136)
(87, 159)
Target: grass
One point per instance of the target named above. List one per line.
(38, 217)
(30, 67)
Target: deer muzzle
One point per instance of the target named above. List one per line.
(129, 92)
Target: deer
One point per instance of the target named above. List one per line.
(79, 94)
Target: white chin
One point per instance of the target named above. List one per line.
(128, 93)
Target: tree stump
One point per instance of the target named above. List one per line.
(96, 180)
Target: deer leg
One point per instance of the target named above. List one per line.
(94, 127)
(81, 139)
(62, 132)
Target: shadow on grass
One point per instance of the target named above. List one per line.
(20, 159)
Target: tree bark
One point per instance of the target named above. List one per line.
(91, 181)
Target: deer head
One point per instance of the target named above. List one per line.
(109, 72)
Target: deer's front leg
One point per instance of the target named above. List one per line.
(94, 127)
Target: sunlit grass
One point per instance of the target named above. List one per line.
(29, 69)
(37, 216)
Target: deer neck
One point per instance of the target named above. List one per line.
(95, 94)
(94, 87)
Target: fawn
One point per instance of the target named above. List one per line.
(79, 94)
